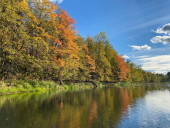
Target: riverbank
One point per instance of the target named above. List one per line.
(23, 86)
(128, 84)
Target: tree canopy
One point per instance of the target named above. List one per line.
(39, 40)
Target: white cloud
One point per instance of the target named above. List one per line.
(125, 57)
(161, 39)
(164, 30)
(59, 1)
(155, 60)
(144, 47)
(157, 64)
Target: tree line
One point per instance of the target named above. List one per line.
(39, 40)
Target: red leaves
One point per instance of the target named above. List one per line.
(122, 68)
(66, 19)
(90, 61)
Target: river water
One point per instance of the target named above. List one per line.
(132, 107)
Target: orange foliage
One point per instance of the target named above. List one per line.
(52, 13)
(67, 35)
(122, 69)
(90, 61)
(65, 49)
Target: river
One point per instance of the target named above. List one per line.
(111, 107)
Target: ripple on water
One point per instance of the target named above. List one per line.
(153, 111)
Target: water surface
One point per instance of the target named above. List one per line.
(138, 107)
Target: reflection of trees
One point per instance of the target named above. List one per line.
(88, 108)
(125, 100)
(92, 112)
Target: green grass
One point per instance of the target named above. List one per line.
(126, 84)
(78, 86)
(23, 86)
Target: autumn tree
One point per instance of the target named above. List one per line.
(67, 50)
(13, 36)
(38, 41)
(121, 69)
(87, 64)
(97, 51)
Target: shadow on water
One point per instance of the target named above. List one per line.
(106, 107)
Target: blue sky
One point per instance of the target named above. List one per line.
(134, 27)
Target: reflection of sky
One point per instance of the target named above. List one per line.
(153, 111)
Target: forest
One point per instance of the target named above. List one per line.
(39, 41)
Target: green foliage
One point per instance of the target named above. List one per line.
(109, 66)
(19, 86)
(38, 42)
(78, 86)
(168, 76)
(126, 84)
(138, 75)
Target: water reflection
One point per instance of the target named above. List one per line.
(108, 107)
(153, 111)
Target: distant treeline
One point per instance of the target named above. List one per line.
(38, 40)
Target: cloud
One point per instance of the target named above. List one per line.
(155, 60)
(144, 47)
(125, 57)
(164, 30)
(161, 39)
(157, 64)
(58, 1)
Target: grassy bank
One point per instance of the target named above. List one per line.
(22, 86)
(135, 84)
(126, 84)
